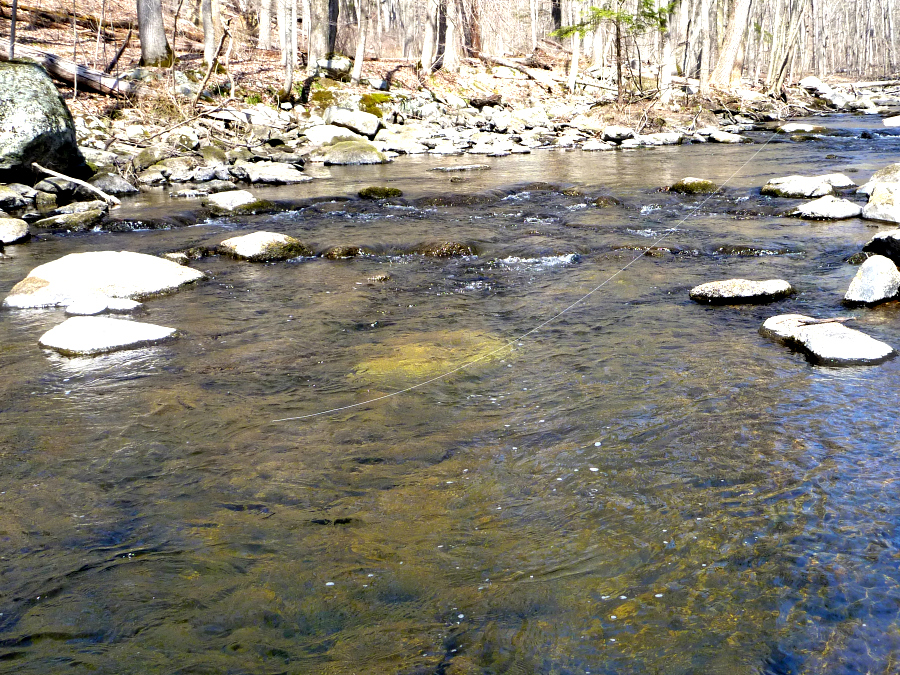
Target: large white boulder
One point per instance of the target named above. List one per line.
(89, 335)
(828, 207)
(884, 203)
(230, 200)
(806, 186)
(12, 230)
(741, 291)
(827, 342)
(877, 280)
(361, 122)
(888, 174)
(326, 134)
(277, 173)
(113, 274)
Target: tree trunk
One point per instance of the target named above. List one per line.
(155, 50)
(620, 85)
(362, 26)
(451, 38)
(705, 47)
(573, 66)
(734, 38)
(666, 68)
(212, 29)
(12, 30)
(289, 54)
(322, 29)
(265, 25)
(429, 39)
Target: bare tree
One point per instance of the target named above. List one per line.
(723, 75)
(265, 25)
(155, 50)
(362, 27)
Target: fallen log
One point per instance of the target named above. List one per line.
(67, 71)
(44, 17)
(539, 76)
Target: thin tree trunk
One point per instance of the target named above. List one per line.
(532, 10)
(722, 74)
(451, 38)
(12, 29)
(573, 66)
(705, 48)
(289, 56)
(265, 25)
(429, 39)
(362, 27)
(99, 31)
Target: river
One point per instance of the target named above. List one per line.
(643, 485)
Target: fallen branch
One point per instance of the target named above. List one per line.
(212, 66)
(538, 76)
(115, 60)
(109, 199)
(68, 71)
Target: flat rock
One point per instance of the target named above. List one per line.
(72, 222)
(876, 280)
(728, 137)
(806, 186)
(596, 145)
(616, 133)
(884, 203)
(91, 306)
(732, 291)
(828, 207)
(231, 201)
(89, 335)
(462, 167)
(13, 230)
(827, 343)
(114, 274)
(264, 247)
(276, 173)
(798, 127)
(113, 184)
(350, 152)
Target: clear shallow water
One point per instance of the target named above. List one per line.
(644, 486)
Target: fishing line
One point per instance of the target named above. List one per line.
(511, 343)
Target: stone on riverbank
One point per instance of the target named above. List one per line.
(884, 203)
(694, 186)
(264, 247)
(733, 291)
(616, 134)
(357, 121)
(828, 207)
(350, 152)
(876, 280)
(797, 127)
(90, 335)
(13, 230)
(115, 274)
(276, 173)
(328, 134)
(830, 343)
(718, 136)
(80, 221)
(35, 124)
(113, 184)
(888, 174)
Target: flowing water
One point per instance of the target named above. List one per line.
(645, 485)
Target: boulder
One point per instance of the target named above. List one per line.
(885, 243)
(113, 184)
(361, 122)
(728, 137)
(327, 134)
(380, 192)
(13, 230)
(694, 186)
(264, 247)
(816, 86)
(11, 199)
(595, 145)
(231, 200)
(272, 172)
(35, 124)
(884, 203)
(827, 342)
(445, 249)
(806, 186)
(80, 221)
(337, 67)
(891, 121)
(733, 291)
(89, 335)
(876, 280)
(828, 207)
(114, 274)
(616, 133)
(350, 152)
(889, 174)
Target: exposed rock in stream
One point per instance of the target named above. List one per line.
(13, 230)
(806, 186)
(828, 208)
(827, 342)
(876, 280)
(264, 247)
(91, 335)
(731, 291)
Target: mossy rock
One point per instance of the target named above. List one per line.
(378, 192)
(256, 207)
(694, 186)
(605, 201)
(445, 249)
(343, 252)
(72, 222)
(371, 103)
(351, 152)
(212, 155)
(859, 257)
(322, 98)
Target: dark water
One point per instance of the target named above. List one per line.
(645, 485)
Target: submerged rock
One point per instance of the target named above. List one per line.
(445, 249)
(89, 335)
(462, 167)
(343, 252)
(114, 274)
(264, 247)
(827, 342)
(13, 230)
(884, 203)
(694, 186)
(828, 207)
(741, 291)
(876, 280)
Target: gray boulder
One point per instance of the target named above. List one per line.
(79, 221)
(337, 67)
(89, 335)
(827, 342)
(732, 291)
(113, 184)
(816, 86)
(11, 199)
(264, 247)
(616, 134)
(350, 152)
(361, 122)
(889, 174)
(876, 280)
(13, 230)
(35, 124)
(114, 274)
(828, 207)
(884, 203)
(728, 137)
(885, 243)
(326, 134)
(276, 173)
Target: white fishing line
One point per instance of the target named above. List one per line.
(511, 343)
